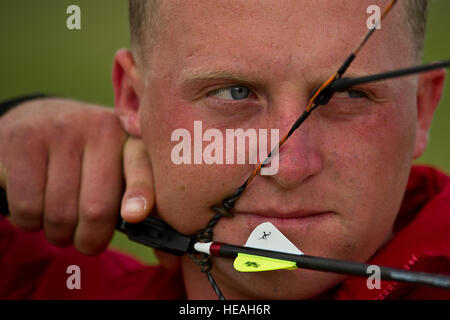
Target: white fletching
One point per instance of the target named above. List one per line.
(267, 236)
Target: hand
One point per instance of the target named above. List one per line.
(60, 162)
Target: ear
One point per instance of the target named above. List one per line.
(429, 93)
(128, 87)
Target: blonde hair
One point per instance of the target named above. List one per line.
(145, 21)
(145, 15)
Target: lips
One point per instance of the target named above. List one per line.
(291, 220)
(285, 215)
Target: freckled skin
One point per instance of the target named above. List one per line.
(353, 160)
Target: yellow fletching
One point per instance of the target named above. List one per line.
(250, 263)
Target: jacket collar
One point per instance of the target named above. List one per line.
(421, 237)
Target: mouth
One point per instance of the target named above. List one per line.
(289, 220)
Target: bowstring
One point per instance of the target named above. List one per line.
(224, 209)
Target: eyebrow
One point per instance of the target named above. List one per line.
(190, 75)
(204, 74)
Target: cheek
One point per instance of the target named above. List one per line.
(384, 146)
(369, 160)
(176, 186)
(184, 192)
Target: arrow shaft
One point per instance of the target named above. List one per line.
(330, 265)
(346, 83)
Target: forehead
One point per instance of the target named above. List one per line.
(280, 35)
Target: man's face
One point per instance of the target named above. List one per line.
(341, 176)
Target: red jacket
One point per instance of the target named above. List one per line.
(31, 268)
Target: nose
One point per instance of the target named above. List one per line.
(299, 157)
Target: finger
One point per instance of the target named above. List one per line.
(26, 179)
(139, 197)
(99, 201)
(62, 190)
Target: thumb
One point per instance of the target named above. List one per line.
(139, 197)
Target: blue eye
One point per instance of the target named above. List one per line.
(231, 93)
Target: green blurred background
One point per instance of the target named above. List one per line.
(39, 54)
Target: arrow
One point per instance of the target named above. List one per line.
(218, 249)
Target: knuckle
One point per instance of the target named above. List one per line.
(26, 215)
(138, 159)
(19, 133)
(94, 212)
(60, 218)
(103, 126)
(26, 209)
(65, 129)
(19, 143)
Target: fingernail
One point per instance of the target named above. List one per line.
(135, 205)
